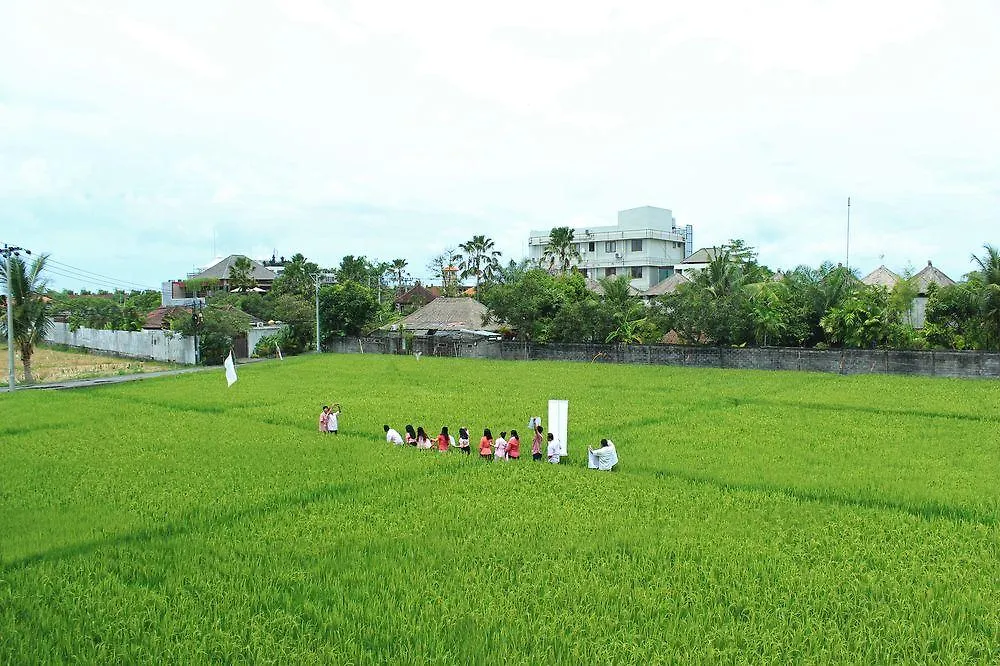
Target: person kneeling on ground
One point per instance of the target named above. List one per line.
(392, 435)
(603, 458)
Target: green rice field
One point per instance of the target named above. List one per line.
(754, 518)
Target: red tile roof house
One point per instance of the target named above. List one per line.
(416, 296)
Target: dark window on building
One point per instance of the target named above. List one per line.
(609, 246)
(637, 245)
(591, 246)
(608, 272)
(637, 271)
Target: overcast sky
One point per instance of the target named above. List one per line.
(133, 133)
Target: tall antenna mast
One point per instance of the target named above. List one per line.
(848, 233)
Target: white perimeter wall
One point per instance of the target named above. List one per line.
(156, 345)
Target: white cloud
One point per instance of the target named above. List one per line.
(29, 178)
(388, 128)
(170, 47)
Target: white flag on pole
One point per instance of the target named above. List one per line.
(230, 369)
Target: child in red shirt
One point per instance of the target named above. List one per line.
(443, 440)
(513, 446)
(486, 445)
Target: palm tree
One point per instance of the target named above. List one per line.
(241, 275)
(32, 317)
(630, 325)
(562, 248)
(479, 259)
(767, 301)
(397, 268)
(722, 276)
(988, 279)
(618, 293)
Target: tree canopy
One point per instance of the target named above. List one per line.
(32, 317)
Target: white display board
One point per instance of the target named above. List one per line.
(559, 422)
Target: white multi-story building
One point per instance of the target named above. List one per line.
(646, 244)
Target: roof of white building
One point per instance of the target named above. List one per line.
(703, 256)
(667, 286)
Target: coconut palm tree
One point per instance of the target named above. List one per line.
(398, 267)
(988, 279)
(722, 277)
(241, 275)
(479, 259)
(561, 249)
(767, 307)
(30, 306)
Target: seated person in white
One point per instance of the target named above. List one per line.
(603, 458)
(552, 452)
(500, 447)
(392, 435)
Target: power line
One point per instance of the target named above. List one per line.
(89, 282)
(100, 275)
(91, 277)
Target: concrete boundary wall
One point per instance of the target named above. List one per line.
(841, 361)
(147, 344)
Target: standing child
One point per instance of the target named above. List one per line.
(513, 446)
(536, 444)
(324, 416)
(500, 449)
(486, 445)
(463, 440)
(331, 419)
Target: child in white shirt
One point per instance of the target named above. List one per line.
(331, 419)
(500, 450)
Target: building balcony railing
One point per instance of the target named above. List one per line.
(677, 235)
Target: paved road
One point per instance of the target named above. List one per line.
(115, 379)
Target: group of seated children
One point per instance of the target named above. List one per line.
(500, 448)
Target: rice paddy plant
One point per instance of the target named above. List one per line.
(755, 517)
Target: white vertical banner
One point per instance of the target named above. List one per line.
(559, 422)
(230, 369)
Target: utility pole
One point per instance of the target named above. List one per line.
(196, 321)
(9, 251)
(319, 276)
